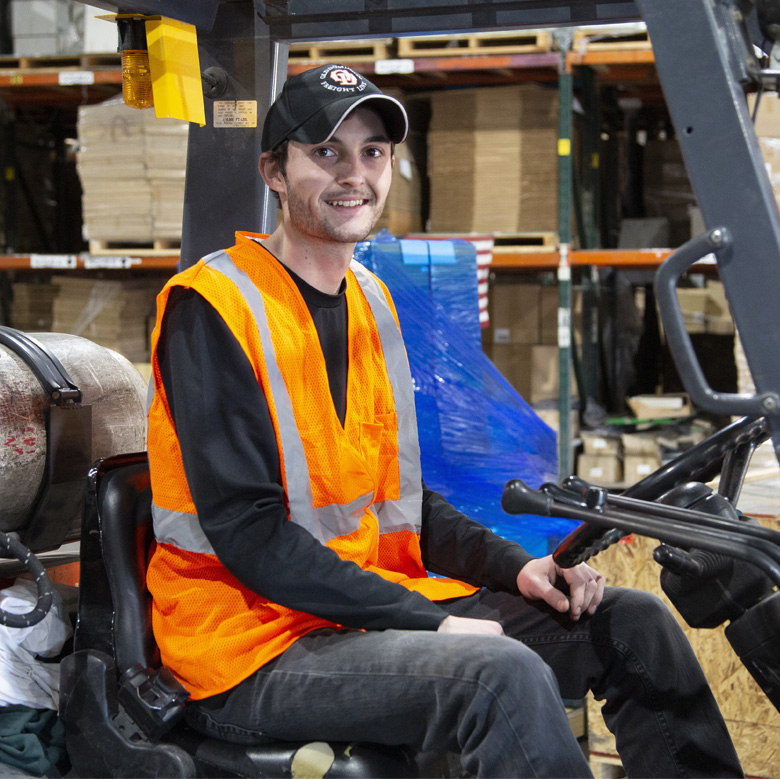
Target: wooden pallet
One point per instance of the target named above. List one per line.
(514, 42)
(60, 62)
(157, 248)
(514, 243)
(342, 51)
(595, 40)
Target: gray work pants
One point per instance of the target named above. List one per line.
(495, 701)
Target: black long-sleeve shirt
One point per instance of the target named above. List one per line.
(231, 461)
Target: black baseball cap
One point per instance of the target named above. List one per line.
(313, 104)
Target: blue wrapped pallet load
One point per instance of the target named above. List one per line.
(475, 431)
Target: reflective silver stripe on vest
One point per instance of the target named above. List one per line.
(181, 529)
(404, 514)
(341, 519)
(299, 494)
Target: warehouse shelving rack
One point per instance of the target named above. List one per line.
(81, 81)
(33, 80)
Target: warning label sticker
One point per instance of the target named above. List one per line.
(235, 113)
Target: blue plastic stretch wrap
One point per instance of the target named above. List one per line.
(475, 431)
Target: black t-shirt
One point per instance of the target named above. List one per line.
(231, 461)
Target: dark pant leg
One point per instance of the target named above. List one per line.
(490, 699)
(634, 655)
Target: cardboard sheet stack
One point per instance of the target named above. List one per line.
(31, 307)
(403, 208)
(166, 159)
(113, 314)
(131, 166)
(492, 159)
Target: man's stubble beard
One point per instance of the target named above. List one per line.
(310, 223)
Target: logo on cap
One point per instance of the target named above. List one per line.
(340, 79)
(343, 77)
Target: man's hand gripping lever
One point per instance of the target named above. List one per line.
(578, 589)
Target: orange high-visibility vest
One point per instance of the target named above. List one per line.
(356, 488)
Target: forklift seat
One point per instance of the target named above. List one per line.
(123, 711)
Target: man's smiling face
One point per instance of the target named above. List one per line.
(335, 191)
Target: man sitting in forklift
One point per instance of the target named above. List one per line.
(295, 533)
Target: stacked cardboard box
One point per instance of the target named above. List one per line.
(131, 166)
(113, 314)
(641, 456)
(492, 160)
(600, 461)
(705, 309)
(522, 340)
(31, 307)
(618, 459)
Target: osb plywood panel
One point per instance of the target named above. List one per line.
(753, 722)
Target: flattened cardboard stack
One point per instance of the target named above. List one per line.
(131, 166)
(492, 159)
(111, 313)
(31, 307)
(403, 209)
(166, 160)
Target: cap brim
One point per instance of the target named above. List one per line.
(323, 125)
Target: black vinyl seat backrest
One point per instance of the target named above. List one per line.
(114, 636)
(116, 609)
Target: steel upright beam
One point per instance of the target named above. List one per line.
(243, 70)
(565, 173)
(704, 58)
(591, 172)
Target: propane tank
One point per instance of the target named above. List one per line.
(108, 382)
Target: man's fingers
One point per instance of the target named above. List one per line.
(581, 596)
(554, 597)
(586, 590)
(598, 596)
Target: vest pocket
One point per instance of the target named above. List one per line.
(370, 444)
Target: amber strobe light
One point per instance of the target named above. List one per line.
(136, 76)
